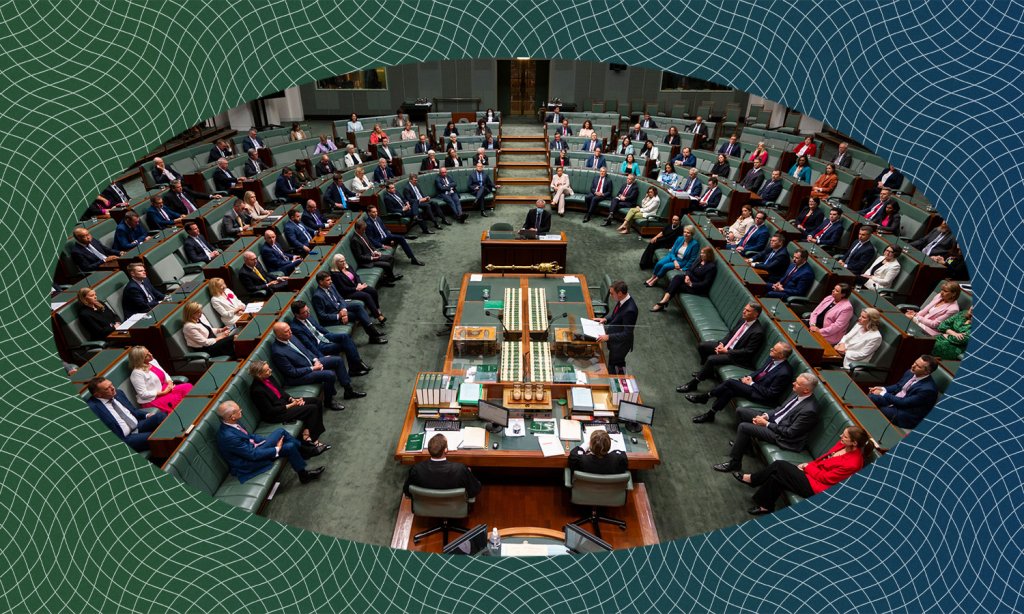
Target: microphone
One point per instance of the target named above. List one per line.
(845, 390)
(564, 314)
(499, 318)
(775, 308)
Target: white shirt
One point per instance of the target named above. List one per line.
(884, 276)
(355, 126)
(861, 344)
(126, 428)
(225, 306)
(147, 385)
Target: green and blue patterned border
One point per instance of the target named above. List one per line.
(87, 86)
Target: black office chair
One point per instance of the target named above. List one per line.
(597, 490)
(448, 305)
(449, 504)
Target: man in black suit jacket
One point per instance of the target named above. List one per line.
(787, 426)
(184, 201)
(429, 210)
(538, 220)
(88, 254)
(625, 198)
(772, 188)
(140, 295)
(423, 146)
(764, 386)
(699, 130)
(235, 221)
(555, 117)
(439, 473)
(600, 189)
(252, 142)
(861, 253)
(256, 281)
(637, 134)
(618, 326)
(254, 166)
(738, 347)
(843, 157)
(224, 179)
(196, 247)
(754, 177)
(480, 185)
(162, 173)
(938, 242)
(774, 260)
(325, 167)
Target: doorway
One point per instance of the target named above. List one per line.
(522, 85)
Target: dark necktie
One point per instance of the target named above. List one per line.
(763, 372)
(788, 407)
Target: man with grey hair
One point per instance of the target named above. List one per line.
(765, 386)
(248, 454)
(787, 426)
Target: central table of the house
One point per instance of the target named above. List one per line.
(512, 334)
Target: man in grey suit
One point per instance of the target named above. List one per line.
(787, 426)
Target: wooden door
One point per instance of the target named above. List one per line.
(524, 86)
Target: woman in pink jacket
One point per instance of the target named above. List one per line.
(942, 305)
(833, 314)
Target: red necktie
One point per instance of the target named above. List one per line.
(822, 231)
(600, 182)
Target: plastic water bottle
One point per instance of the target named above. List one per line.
(494, 545)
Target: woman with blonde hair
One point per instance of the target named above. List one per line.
(560, 188)
(351, 287)
(253, 207)
(153, 387)
(863, 339)
(201, 336)
(276, 406)
(940, 307)
(225, 302)
(360, 183)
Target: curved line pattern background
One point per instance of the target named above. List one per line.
(86, 87)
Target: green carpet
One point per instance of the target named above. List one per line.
(358, 496)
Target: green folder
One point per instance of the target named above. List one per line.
(494, 304)
(414, 443)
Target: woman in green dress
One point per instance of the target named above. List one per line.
(954, 333)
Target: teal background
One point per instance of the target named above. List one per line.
(86, 88)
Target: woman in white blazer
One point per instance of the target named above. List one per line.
(863, 340)
(883, 271)
(202, 336)
(153, 386)
(360, 183)
(560, 187)
(225, 302)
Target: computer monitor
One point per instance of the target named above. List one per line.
(495, 415)
(470, 542)
(578, 541)
(634, 414)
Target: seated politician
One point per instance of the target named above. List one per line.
(225, 302)
(439, 473)
(300, 364)
(796, 281)
(202, 336)
(114, 409)
(367, 255)
(772, 262)
(696, 281)
(274, 256)
(153, 386)
(307, 329)
(833, 314)
(197, 250)
(276, 406)
(299, 238)
(954, 333)
(538, 220)
(755, 238)
(648, 207)
(333, 310)
(765, 386)
(88, 253)
(256, 281)
(909, 400)
(861, 342)
(680, 257)
(597, 456)
(737, 347)
(428, 210)
(139, 295)
(942, 305)
(828, 234)
(96, 318)
(348, 283)
(788, 426)
(130, 234)
(247, 455)
(380, 236)
(807, 479)
(159, 217)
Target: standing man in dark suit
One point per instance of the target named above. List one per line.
(909, 400)
(539, 219)
(618, 326)
(787, 426)
(256, 281)
(247, 454)
(196, 248)
(600, 189)
(774, 260)
(112, 406)
(797, 279)
(754, 178)
(299, 364)
(430, 211)
(626, 198)
(332, 310)
(88, 254)
(439, 473)
(480, 185)
(163, 174)
(254, 166)
(738, 347)
(139, 295)
(764, 386)
(861, 253)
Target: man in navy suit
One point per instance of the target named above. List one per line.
(771, 189)
(711, 197)
(338, 193)
(480, 185)
(306, 329)
(429, 210)
(130, 233)
(395, 204)
(647, 122)
(247, 454)
(861, 253)
(286, 188)
(625, 198)
(557, 144)
(600, 189)
(876, 211)
(764, 386)
(830, 230)
(447, 191)
(183, 201)
(159, 216)
(737, 347)
(754, 178)
(275, 258)
(196, 248)
(938, 242)
(730, 148)
(383, 172)
(691, 187)
(223, 179)
(774, 260)
(325, 167)
(564, 129)
(755, 238)
(252, 142)
(592, 145)
(89, 254)
(162, 173)
(115, 410)
(909, 400)
(787, 426)
(423, 146)
(379, 235)
(254, 166)
(312, 219)
(298, 236)
(555, 117)
(299, 364)
(637, 134)
(139, 295)
(797, 279)
(596, 160)
(332, 310)
(685, 158)
(618, 326)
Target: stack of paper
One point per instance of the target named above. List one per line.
(469, 394)
(592, 329)
(130, 321)
(473, 438)
(550, 445)
(570, 430)
(582, 399)
(253, 307)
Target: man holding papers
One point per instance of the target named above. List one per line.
(619, 326)
(439, 473)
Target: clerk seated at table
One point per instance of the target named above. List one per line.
(600, 458)
(439, 473)
(539, 219)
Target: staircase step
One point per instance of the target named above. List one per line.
(522, 137)
(523, 150)
(524, 180)
(523, 164)
(519, 200)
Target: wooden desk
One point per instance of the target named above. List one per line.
(506, 252)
